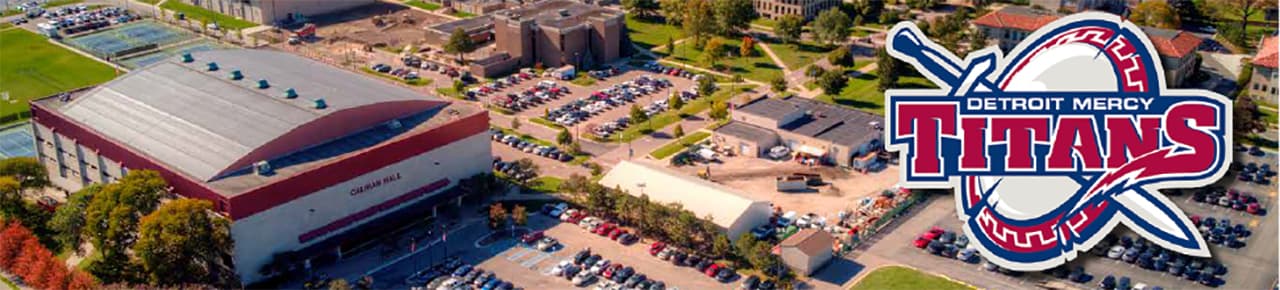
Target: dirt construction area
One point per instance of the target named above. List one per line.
(377, 24)
(845, 190)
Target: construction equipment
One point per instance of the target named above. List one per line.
(307, 32)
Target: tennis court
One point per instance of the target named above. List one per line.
(150, 58)
(17, 142)
(129, 38)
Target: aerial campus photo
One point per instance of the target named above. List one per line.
(638, 144)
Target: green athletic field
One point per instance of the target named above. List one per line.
(35, 68)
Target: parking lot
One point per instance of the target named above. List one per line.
(577, 92)
(1248, 267)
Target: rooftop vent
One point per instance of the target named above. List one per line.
(186, 57)
(290, 93)
(262, 84)
(236, 75)
(262, 168)
(213, 66)
(320, 104)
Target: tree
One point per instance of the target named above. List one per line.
(748, 47)
(672, 11)
(888, 69)
(564, 138)
(459, 87)
(733, 16)
(678, 131)
(831, 27)
(68, 220)
(30, 262)
(524, 171)
(977, 39)
(675, 100)
(519, 215)
(706, 86)
(1243, 9)
(671, 46)
(497, 215)
(865, 8)
(699, 21)
(1246, 117)
(713, 52)
(719, 111)
(185, 242)
(720, 246)
(113, 213)
(12, 206)
(832, 82)
(339, 284)
(12, 238)
(459, 43)
(745, 244)
(1156, 14)
(789, 28)
(637, 115)
(841, 56)
(641, 8)
(778, 84)
(27, 170)
(515, 123)
(921, 4)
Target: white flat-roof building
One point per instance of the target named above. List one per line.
(728, 208)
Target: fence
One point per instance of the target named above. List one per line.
(875, 222)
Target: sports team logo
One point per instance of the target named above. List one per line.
(1051, 146)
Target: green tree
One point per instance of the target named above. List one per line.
(672, 11)
(1155, 14)
(720, 246)
(977, 39)
(515, 123)
(675, 100)
(459, 43)
(185, 242)
(459, 87)
(637, 115)
(831, 27)
(921, 4)
(699, 21)
(744, 246)
(706, 86)
(719, 111)
(671, 46)
(887, 68)
(27, 170)
(789, 28)
(68, 220)
(519, 215)
(778, 84)
(841, 56)
(1246, 116)
(564, 138)
(865, 8)
(641, 8)
(713, 52)
(733, 16)
(678, 131)
(832, 82)
(1242, 9)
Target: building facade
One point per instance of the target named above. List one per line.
(1011, 24)
(807, 9)
(733, 211)
(1177, 50)
(271, 12)
(1262, 85)
(553, 33)
(807, 251)
(244, 130)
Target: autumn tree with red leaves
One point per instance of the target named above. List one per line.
(23, 255)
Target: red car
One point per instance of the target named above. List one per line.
(615, 233)
(712, 270)
(933, 233)
(575, 217)
(655, 248)
(604, 229)
(922, 242)
(530, 238)
(608, 271)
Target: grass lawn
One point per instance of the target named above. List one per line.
(1269, 116)
(56, 3)
(424, 5)
(4, 25)
(546, 122)
(673, 147)
(651, 33)
(659, 121)
(546, 184)
(152, 2)
(207, 16)
(901, 278)
(463, 14)
(766, 22)
(757, 67)
(417, 82)
(798, 55)
(449, 92)
(582, 79)
(861, 92)
(35, 68)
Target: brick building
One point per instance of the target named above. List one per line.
(1011, 24)
(553, 33)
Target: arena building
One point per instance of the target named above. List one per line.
(298, 154)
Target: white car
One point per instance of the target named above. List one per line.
(1115, 252)
(559, 268)
(547, 243)
(583, 278)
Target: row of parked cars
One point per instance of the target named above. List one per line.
(402, 72)
(1150, 256)
(532, 148)
(1252, 172)
(586, 267)
(413, 61)
(453, 274)
(543, 92)
(78, 18)
(704, 265)
(947, 244)
(656, 67)
(1220, 231)
(1232, 198)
